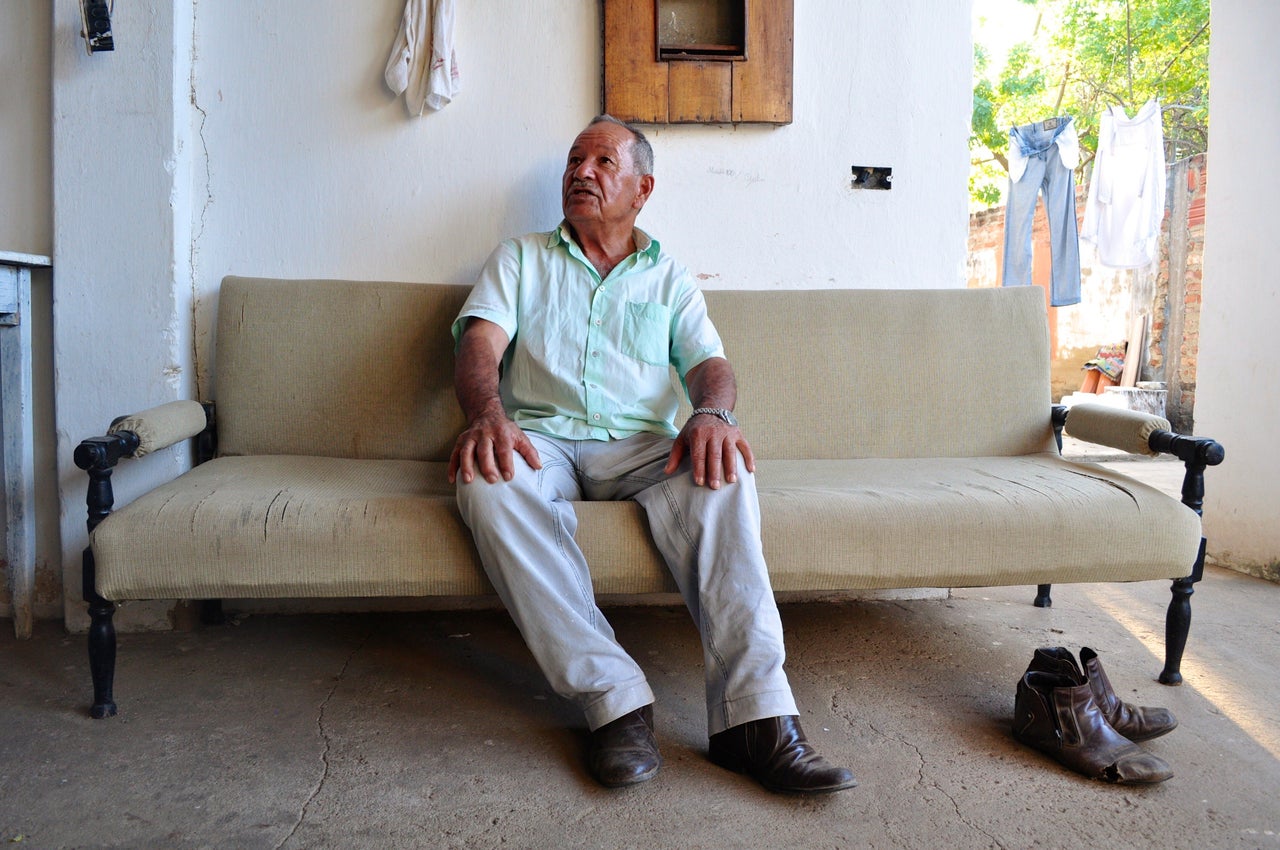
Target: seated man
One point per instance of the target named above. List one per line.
(564, 351)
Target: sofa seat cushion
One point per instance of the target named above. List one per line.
(287, 526)
(967, 522)
(281, 526)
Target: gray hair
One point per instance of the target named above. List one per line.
(641, 150)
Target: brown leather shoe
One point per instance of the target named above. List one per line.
(1135, 722)
(1060, 717)
(774, 752)
(623, 751)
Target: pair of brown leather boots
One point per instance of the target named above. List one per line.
(1071, 712)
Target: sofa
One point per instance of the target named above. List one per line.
(904, 439)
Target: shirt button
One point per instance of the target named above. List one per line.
(596, 417)
(598, 323)
(595, 354)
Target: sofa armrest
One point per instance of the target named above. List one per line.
(160, 427)
(136, 435)
(1144, 433)
(1118, 428)
(129, 436)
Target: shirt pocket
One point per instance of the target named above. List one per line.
(646, 333)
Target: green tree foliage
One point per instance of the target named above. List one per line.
(1085, 56)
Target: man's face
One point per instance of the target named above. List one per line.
(600, 181)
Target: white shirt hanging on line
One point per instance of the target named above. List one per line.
(423, 65)
(1125, 206)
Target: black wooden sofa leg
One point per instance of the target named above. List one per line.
(1196, 454)
(1043, 599)
(102, 659)
(98, 456)
(102, 644)
(1177, 623)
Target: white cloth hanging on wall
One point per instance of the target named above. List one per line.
(423, 64)
(1125, 207)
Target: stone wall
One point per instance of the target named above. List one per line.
(1109, 297)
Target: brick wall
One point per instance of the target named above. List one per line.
(1175, 337)
(1102, 317)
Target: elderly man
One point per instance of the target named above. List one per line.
(563, 358)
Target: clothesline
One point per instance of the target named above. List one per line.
(1123, 208)
(1172, 144)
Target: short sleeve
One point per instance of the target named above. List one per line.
(693, 337)
(495, 294)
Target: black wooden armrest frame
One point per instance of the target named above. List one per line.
(98, 456)
(1196, 453)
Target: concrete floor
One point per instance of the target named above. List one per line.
(435, 730)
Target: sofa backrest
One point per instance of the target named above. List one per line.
(889, 373)
(365, 370)
(336, 368)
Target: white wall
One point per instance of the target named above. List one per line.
(314, 169)
(1236, 397)
(259, 139)
(222, 138)
(123, 330)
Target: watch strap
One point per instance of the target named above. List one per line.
(719, 412)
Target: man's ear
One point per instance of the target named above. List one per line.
(646, 189)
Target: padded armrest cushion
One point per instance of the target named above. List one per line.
(1119, 428)
(160, 427)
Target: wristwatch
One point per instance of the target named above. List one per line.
(726, 415)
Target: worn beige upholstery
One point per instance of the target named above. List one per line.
(884, 461)
(160, 427)
(1127, 430)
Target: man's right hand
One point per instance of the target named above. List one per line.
(489, 443)
(489, 446)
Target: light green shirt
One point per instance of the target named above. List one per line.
(591, 359)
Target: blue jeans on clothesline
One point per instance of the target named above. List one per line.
(1045, 174)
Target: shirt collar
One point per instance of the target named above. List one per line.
(645, 244)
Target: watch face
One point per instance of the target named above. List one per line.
(730, 418)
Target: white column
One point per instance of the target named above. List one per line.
(1236, 399)
(123, 147)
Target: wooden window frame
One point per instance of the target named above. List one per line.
(643, 87)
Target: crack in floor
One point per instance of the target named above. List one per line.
(328, 744)
(923, 781)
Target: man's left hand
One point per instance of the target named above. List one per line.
(712, 446)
